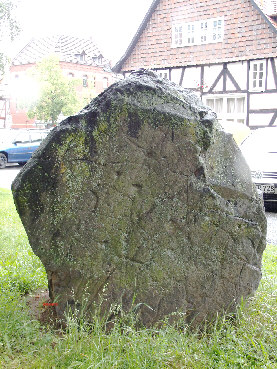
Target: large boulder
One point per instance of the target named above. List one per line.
(142, 200)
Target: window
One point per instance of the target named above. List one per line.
(23, 137)
(81, 57)
(257, 75)
(85, 81)
(93, 81)
(163, 75)
(229, 108)
(190, 33)
(217, 30)
(204, 32)
(178, 35)
(105, 82)
(36, 137)
(198, 32)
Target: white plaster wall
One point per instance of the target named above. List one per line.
(270, 77)
(263, 101)
(176, 75)
(210, 75)
(259, 119)
(239, 72)
(192, 77)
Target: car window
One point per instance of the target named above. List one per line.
(6, 136)
(22, 137)
(44, 134)
(36, 136)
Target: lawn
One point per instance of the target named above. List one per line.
(249, 341)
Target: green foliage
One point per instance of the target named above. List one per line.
(247, 341)
(8, 28)
(57, 93)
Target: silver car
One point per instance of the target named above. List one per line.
(260, 152)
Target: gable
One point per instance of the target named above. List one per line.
(248, 34)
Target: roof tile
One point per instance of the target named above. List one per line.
(67, 47)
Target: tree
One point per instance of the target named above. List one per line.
(8, 29)
(57, 93)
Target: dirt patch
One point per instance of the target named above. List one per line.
(42, 309)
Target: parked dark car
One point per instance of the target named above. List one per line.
(260, 152)
(21, 147)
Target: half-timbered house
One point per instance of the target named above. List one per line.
(225, 50)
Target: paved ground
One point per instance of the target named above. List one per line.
(8, 174)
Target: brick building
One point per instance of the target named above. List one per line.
(79, 59)
(225, 50)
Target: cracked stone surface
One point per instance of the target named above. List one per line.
(142, 200)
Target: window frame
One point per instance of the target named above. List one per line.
(177, 34)
(257, 79)
(163, 74)
(85, 80)
(105, 82)
(199, 32)
(224, 116)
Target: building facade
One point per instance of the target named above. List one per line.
(224, 50)
(79, 59)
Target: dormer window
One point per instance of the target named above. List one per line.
(81, 57)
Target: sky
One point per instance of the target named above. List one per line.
(111, 23)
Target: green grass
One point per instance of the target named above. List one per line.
(249, 341)
(18, 264)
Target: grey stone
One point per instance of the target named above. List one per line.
(142, 200)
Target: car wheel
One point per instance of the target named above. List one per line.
(3, 161)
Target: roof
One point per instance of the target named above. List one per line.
(69, 49)
(153, 6)
(271, 21)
